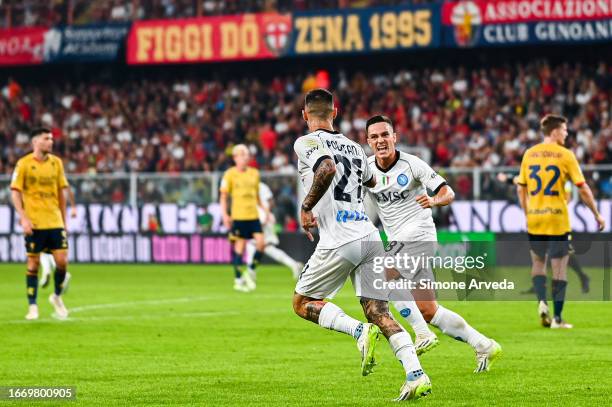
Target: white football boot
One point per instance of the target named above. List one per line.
(367, 345)
(485, 359)
(425, 343)
(60, 309)
(414, 389)
(32, 312)
(560, 324)
(544, 314)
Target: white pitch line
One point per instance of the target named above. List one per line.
(193, 315)
(130, 304)
(136, 303)
(159, 302)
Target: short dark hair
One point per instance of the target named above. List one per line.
(379, 118)
(38, 131)
(551, 122)
(319, 103)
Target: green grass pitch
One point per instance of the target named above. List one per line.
(170, 335)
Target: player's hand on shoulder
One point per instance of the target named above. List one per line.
(308, 221)
(425, 201)
(27, 226)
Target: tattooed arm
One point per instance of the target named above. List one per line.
(323, 176)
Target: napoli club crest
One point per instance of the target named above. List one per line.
(402, 179)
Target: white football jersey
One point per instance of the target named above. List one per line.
(395, 192)
(265, 194)
(340, 213)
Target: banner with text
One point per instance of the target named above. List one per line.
(466, 216)
(23, 46)
(366, 30)
(130, 248)
(515, 22)
(208, 39)
(85, 43)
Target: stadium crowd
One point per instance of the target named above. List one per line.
(46, 12)
(465, 118)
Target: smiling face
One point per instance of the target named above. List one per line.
(381, 139)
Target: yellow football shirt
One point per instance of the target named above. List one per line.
(243, 188)
(40, 183)
(545, 169)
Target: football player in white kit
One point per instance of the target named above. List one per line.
(334, 171)
(270, 238)
(404, 209)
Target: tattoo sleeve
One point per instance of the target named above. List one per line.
(377, 312)
(313, 309)
(322, 179)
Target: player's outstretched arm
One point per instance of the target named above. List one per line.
(587, 197)
(321, 181)
(443, 197)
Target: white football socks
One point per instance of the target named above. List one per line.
(332, 317)
(404, 351)
(47, 264)
(410, 312)
(280, 256)
(453, 325)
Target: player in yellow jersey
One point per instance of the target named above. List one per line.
(47, 263)
(37, 191)
(541, 190)
(241, 184)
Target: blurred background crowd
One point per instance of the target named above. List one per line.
(16, 13)
(464, 117)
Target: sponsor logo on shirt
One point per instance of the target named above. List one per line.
(344, 216)
(392, 196)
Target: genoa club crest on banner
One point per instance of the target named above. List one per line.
(277, 32)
